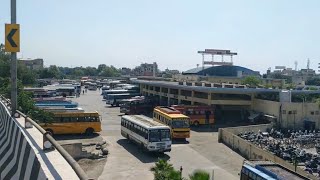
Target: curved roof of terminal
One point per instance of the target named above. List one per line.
(221, 71)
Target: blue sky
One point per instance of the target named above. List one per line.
(122, 33)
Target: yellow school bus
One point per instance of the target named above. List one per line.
(74, 123)
(179, 123)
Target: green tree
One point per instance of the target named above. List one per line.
(91, 71)
(101, 67)
(110, 71)
(27, 76)
(165, 171)
(78, 72)
(313, 81)
(199, 175)
(4, 62)
(252, 81)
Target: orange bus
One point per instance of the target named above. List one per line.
(199, 115)
(179, 123)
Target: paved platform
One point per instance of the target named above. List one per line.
(52, 162)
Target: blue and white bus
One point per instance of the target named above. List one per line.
(114, 99)
(266, 170)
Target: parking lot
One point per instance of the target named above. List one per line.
(125, 161)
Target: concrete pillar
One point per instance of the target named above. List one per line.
(179, 94)
(209, 99)
(192, 96)
(168, 103)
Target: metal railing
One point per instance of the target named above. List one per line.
(49, 143)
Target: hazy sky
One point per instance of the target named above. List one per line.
(122, 33)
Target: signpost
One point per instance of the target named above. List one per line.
(12, 45)
(12, 39)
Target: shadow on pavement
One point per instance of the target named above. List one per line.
(144, 157)
(180, 141)
(204, 128)
(75, 136)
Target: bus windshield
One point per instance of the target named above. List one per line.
(180, 123)
(158, 135)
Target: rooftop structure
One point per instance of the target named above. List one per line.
(215, 52)
(229, 71)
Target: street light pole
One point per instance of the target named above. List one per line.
(13, 63)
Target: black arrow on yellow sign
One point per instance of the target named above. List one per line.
(12, 38)
(9, 37)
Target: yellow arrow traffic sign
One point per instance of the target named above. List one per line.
(12, 38)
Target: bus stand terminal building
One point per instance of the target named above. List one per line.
(234, 101)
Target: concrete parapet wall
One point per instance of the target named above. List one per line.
(17, 158)
(229, 137)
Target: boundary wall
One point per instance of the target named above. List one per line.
(17, 158)
(229, 137)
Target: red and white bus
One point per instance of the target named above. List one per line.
(199, 115)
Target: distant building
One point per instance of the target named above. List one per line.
(33, 64)
(146, 69)
(296, 77)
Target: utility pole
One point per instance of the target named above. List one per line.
(13, 63)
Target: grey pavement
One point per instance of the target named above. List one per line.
(125, 161)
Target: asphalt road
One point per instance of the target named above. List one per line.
(125, 161)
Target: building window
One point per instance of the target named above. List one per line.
(284, 112)
(317, 112)
(312, 112)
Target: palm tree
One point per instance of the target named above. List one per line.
(199, 175)
(165, 171)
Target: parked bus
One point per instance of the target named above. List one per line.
(114, 91)
(199, 115)
(266, 170)
(114, 99)
(92, 86)
(61, 109)
(148, 134)
(179, 123)
(138, 106)
(74, 123)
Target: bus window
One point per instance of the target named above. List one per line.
(188, 113)
(81, 119)
(73, 119)
(65, 119)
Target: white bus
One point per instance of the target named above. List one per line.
(92, 86)
(148, 134)
(114, 99)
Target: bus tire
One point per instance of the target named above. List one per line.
(196, 123)
(50, 131)
(89, 131)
